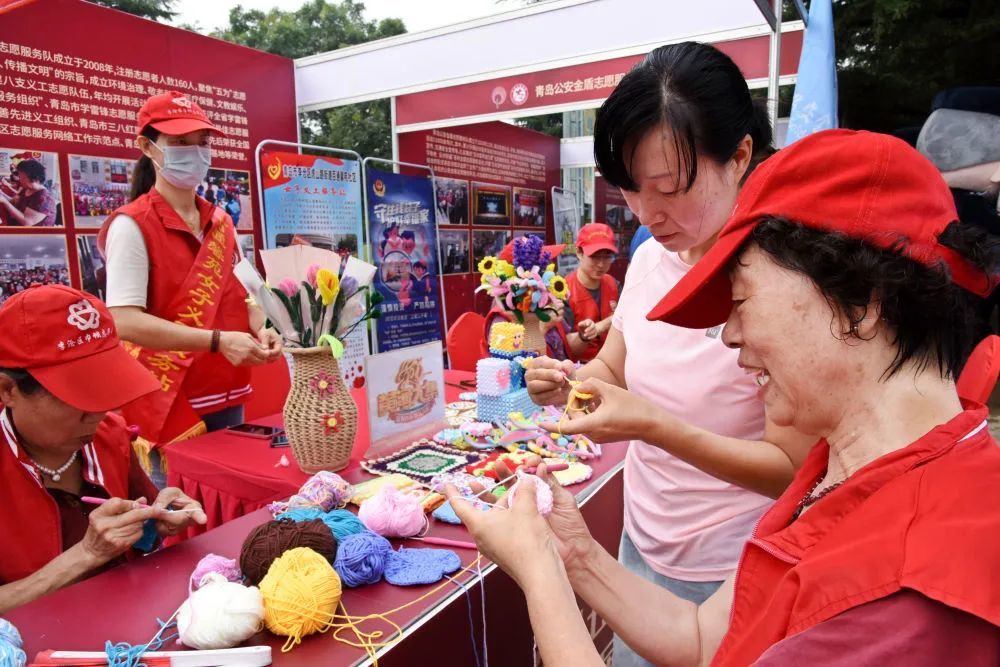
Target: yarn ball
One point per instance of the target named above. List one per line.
(11, 647)
(325, 490)
(340, 522)
(543, 494)
(268, 541)
(220, 614)
(393, 514)
(301, 592)
(213, 564)
(361, 558)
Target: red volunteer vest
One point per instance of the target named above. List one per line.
(498, 312)
(925, 518)
(211, 383)
(30, 533)
(585, 308)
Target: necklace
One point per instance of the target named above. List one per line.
(56, 475)
(812, 497)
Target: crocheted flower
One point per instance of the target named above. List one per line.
(559, 288)
(328, 284)
(324, 384)
(289, 287)
(332, 423)
(503, 269)
(487, 265)
(311, 274)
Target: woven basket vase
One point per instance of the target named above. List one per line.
(321, 418)
(534, 339)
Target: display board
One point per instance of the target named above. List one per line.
(72, 77)
(611, 209)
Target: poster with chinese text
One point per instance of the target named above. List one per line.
(405, 395)
(401, 225)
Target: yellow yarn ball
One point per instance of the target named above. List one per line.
(301, 591)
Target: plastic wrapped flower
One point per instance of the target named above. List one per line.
(559, 288)
(487, 265)
(289, 287)
(328, 284)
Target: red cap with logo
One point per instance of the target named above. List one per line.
(67, 341)
(596, 236)
(867, 186)
(175, 114)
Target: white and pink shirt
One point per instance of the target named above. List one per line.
(687, 524)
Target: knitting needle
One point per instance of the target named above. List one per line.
(446, 542)
(91, 500)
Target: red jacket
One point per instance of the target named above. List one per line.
(212, 383)
(585, 308)
(924, 518)
(31, 533)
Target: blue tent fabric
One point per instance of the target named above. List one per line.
(814, 105)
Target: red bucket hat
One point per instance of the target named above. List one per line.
(867, 186)
(68, 342)
(174, 113)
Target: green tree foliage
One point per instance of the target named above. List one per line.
(895, 55)
(156, 10)
(316, 27)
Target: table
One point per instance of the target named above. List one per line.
(123, 603)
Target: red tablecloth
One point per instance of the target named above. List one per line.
(232, 475)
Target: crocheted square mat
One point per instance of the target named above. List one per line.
(421, 461)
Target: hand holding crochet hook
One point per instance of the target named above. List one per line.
(516, 536)
(606, 413)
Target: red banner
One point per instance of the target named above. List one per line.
(575, 83)
(72, 78)
(494, 182)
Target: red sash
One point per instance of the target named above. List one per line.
(167, 416)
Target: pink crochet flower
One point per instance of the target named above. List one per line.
(324, 384)
(311, 274)
(289, 287)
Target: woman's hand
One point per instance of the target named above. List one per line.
(615, 415)
(242, 349)
(114, 527)
(174, 522)
(546, 380)
(271, 340)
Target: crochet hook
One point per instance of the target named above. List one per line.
(91, 500)
(441, 541)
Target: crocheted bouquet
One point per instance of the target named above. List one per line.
(524, 286)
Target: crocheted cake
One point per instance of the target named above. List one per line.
(500, 376)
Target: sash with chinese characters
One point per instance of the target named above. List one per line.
(166, 416)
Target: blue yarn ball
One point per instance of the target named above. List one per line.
(340, 522)
(11, 647)
(361, 558)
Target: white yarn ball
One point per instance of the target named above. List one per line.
(220, 614)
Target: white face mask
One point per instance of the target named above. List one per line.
(185, 166)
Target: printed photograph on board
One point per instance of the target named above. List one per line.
(486, 242)
(529, 207)
(345, 245)
(623, 222)
(29, 189)
(247, 246)
(229, 189)
(93, 270)
(490, 204)
(31, 258)
(100, 185)
(454, 250)
(452, 201)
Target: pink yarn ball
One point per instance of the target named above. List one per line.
(393, 514)
(543, 494)
(227, 567)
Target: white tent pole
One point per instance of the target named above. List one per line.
(774, 66)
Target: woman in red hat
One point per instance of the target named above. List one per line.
(593, 292)
(62, 369)
(171, 285)
(848, 288)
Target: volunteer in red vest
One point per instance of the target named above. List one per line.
(593, 293)
(845, 277)
(170, 257)
(62, 368)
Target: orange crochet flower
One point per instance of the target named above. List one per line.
(525, 305)
(332, 423)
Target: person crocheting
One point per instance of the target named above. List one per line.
(62, 369)
(844, 280)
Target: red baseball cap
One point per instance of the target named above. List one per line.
(868, 186)
(596, 236)
(507, 254)
(174, 113)
(68, 342)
